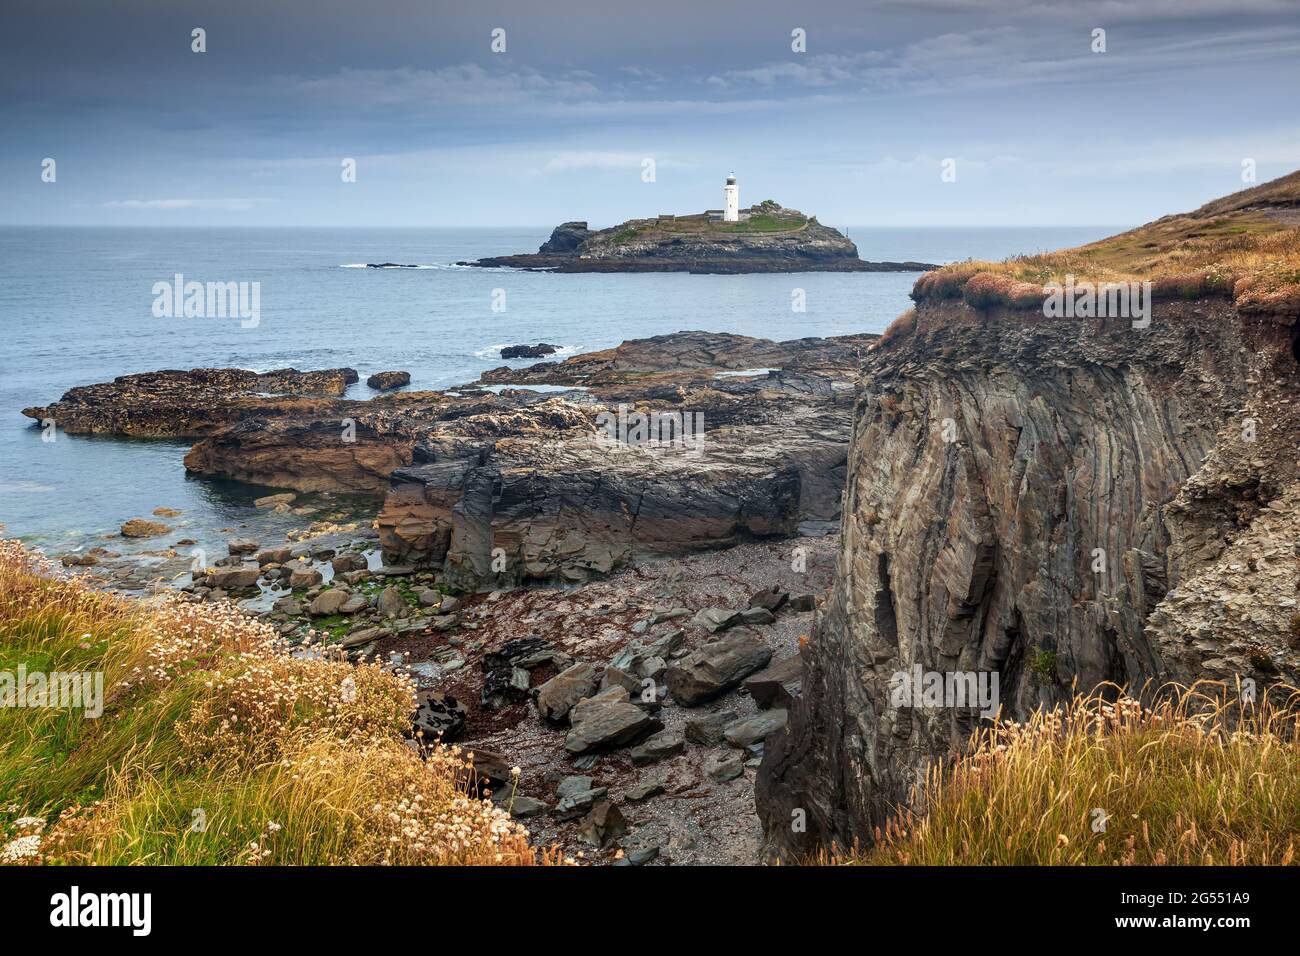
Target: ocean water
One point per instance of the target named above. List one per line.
(76, 307)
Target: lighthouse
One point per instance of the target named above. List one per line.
(731, 207)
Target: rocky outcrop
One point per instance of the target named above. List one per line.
(1060, 503)
(564, 501)
(383, 381)
(173, 403)
(768, 238)
(527, 351)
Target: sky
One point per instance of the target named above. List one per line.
(1039, 126)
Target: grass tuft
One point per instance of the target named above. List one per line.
(1199, 778)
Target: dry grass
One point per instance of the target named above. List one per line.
(216, 746)
(1245, 246)
(1192, 780)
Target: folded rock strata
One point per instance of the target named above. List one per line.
(1054, 502)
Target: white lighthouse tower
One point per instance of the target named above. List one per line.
(731, 209)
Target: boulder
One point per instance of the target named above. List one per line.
(776, 685)
(724, 767)
(242, 546)
(143, 528)
(354, 604)
(750, 730)
(391, 603)
(666, 743)
(328, 602)
(706, 729)
(272, 501)
(558, 695)
(772, 599)
(233, 579)
(302, 578)
(606, 720)
(274, 555)
(386, 380)
(527, 351)
(348, 561)
(576, 796)
(361, 636)
(714, 619)
(716, 667)
(645, 788)
(438, 716)
(757, 615)
(603, 825)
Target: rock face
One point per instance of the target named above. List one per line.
(769, 238)
(1049, 501)
(175, 403)
(562, 501)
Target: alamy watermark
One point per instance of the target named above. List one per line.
(935, 689)
(57, 689)
(1106, 300)
(208, 300)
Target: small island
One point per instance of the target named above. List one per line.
(766, 237)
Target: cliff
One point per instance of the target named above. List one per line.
(769, 238)
(1059, 502)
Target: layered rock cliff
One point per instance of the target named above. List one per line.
(1059, 502)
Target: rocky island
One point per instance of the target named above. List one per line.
(767, 237)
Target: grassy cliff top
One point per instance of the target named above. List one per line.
(766, 218)
(1245, 246)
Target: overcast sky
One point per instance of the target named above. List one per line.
(445, 132)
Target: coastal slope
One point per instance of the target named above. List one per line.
(1057, 502)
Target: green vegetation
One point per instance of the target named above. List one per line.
(1245, 246)
(1202, 778)
(217, 746)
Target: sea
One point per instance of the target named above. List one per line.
(77, 306)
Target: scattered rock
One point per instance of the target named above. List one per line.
(558, 695)
(386, 380)
(724, 767)
(666, 743)
(302, 578)
(143, 528)
(706, 730)
(606, 720)
(644, 789)
(603, 825)
(576, 797)
(522, 807)
(439, 716)
(233, 579)
(328, 602)
(802, 603)
(348, 561)
(274, 555)
(716, 667)
(527, 351)
(272, 501)
(772, 599)
(714, 619)
(776, 685)
(750, 730)
(242, 546)
(391, 603)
